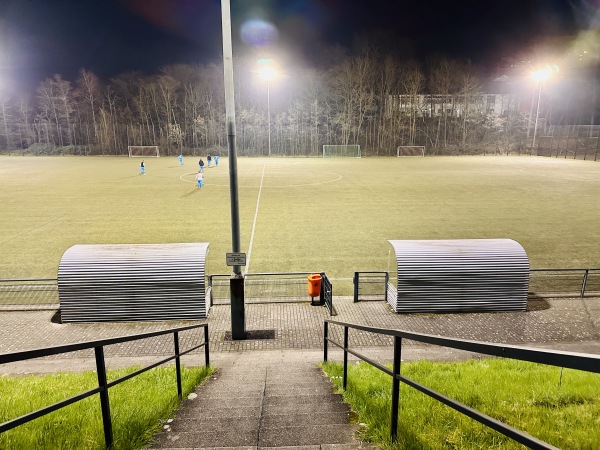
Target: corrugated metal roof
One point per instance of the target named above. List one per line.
(133, 282)
(460, 275)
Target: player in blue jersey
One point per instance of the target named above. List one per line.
(142, 168)
(181, 159)
(199, 178)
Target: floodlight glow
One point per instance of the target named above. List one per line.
(545, 73)
(268, 73)
(541, 75)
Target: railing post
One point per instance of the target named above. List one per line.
(210, 287)
(177, 364)
(396, 387)
(355, 281)
(585, 277)
(206, 350)
(345, 356)
(104, 402)
(387, 281)
(325, 337)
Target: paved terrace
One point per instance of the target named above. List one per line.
(561, 323)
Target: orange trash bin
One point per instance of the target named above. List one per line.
(314, 285)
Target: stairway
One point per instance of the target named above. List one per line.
(256, 402)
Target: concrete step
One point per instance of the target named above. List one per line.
(359, 446)
(247, 405)
(308, 435)
(192, 439)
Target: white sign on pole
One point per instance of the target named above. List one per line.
(236, 259)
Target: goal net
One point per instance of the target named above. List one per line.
(341, 151)
(410, 150)
(148, 151)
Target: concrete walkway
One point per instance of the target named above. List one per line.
(263, 400)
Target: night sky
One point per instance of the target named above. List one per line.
(108, 37)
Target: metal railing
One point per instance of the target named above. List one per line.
(578, 361)
(367, 285)
(327, 294)
(564, 281)
(274, 287)
(35, 293)
(103, 384)
(373, 285)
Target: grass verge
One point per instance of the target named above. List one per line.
(559, 406)
(139, 407)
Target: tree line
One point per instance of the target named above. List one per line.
(376, 102)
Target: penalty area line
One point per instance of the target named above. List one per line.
(262, 177)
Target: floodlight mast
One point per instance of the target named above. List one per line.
(540, 76)
(238, 315)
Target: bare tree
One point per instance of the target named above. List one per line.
(412, 81)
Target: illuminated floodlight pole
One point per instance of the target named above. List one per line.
(540, 76)
(268, 73)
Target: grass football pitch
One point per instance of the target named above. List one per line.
(309, 214)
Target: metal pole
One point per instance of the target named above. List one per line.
(206, 349)
(177, 364)
(345, 357)
(269, 112)
(537, 113)
(325, 337)
(104, 402)
(238, 316)
(584, 282)
(396, 387)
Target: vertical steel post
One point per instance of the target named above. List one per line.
(387, 281)
(345, 356)
(355, 281)
(585, 277)
(325, 337)
(238, 316)
(104, 402)
(206, 350)
(210, 287)
(177, 364)
(396, 387)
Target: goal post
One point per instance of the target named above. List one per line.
(341, 151)
(140, 151)
(410, 150)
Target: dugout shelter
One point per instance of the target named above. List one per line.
(459, 275)
(133, 282)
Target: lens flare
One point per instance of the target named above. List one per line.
(259, 33)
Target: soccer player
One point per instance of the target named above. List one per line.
(216, 160)
(142, 168)
(199, 177)
(201, 164)
(209, 159)
(181, 159)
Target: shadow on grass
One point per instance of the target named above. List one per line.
(193, 192)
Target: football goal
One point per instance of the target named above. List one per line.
(341, 151)
(148, 151)
(410, 150)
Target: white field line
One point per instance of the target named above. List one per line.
(262, 177)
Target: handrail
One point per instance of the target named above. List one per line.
(103, 384)
(572, 360)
